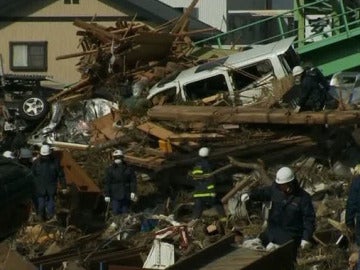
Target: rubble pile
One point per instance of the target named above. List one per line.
(129, 53)
(120, 63)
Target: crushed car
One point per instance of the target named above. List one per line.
(25, 95)
(241, 78)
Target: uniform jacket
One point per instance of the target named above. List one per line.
(48, 173)
(203, 186)
(353, 203)
(313, 92)
(291, 216)
(120, 181)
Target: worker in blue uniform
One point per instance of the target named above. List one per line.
(204, 183)
(120, 184)
(292, 215)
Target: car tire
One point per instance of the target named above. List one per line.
(34, 108)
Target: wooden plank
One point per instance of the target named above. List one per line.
(196, 136)
(101, 34)
(154, 152)
(76, 174)
(202, 257)
(105, 126)
(239, 115)
(247, 259)
(163, 134)
(156, 130)
(151, 162)
(12, 260)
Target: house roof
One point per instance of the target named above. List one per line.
(147, 10)
(10, 6)
(159, 12)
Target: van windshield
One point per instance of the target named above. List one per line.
(289, 60)
(206, 87)
(246, 75)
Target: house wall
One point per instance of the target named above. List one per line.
(58, 30)
(242, 13)
(216, 17)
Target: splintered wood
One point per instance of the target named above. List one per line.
(127, 52)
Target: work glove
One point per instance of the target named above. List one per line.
(353, 260)
(133, 196)
(305, 244)
(245, 197)
(271, 246)
(297, 109)
(107, 199)
(254, 244)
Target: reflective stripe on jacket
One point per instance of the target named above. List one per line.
(204, 186)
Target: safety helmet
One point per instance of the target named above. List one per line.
(204, 152)
(8, 154)
(8, 126)
(284, 175)
(45, 150)
(297, 70)
(25, 153)
(117, 153)
(356, 169)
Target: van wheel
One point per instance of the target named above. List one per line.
(33, 108)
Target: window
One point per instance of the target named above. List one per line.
(67, 2)
(247, 75)
(28, 56)
(207, 87)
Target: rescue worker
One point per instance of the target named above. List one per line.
(120, 184)
(204, 193)
(352, 216)
(292, 215)
(313, 89)
(48, 174)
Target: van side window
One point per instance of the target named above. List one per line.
(206, 87)
(168, 95)
(247, 75)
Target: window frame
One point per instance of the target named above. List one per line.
(202, 91)
(29, 67)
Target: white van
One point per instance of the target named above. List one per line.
(241, 77)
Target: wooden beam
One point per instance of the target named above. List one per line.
(239, 115)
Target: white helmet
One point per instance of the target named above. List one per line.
(355, 170)
(117, 153)
(297, 70)
(204, 152)
(284, 175)
(8, 154)
(45, 150)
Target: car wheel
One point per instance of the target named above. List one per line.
(34, 108)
